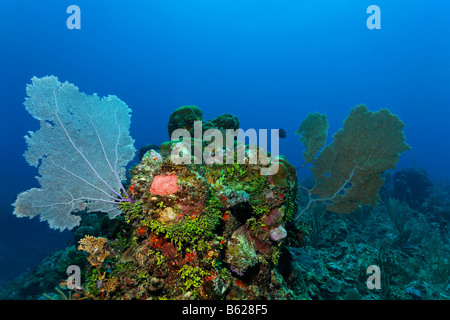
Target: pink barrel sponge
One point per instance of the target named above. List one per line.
(164, 184)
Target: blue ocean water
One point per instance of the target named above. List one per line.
(268, 62)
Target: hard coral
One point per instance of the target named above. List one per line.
(184, 118)
(198, 229)
(96, 247)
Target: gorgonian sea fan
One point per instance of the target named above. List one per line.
(348, 173)
(81, 150)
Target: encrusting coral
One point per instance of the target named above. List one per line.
(96, 247)
(196, 230)
(184, 117)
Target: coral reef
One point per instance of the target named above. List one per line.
(143, 150)
(412, 268)
(225, 231)
(332, 269)
(196, 231)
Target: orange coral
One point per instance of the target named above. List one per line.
(140, 231)
(96, 247)
(108, 286)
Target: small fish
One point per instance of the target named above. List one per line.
(281, 133)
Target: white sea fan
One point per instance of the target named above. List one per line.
(81, 150)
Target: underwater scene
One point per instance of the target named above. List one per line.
(225, 150)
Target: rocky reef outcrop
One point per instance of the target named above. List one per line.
(197, 231)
